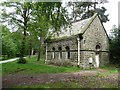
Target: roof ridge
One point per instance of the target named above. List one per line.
(80, 20)
(83, 19)
(88, 23)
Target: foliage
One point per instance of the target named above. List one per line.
(83, 10)
(115, 46)
(21, 60)
(18, 19)
(33, 20)
(11, 43)
(48, 18)
(8, 45)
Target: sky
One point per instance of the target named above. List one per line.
(112, 10)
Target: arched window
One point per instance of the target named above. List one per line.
(67, 52)
(60, 52)
(97, 47)
(53, 54)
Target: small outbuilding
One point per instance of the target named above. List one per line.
(85, 44)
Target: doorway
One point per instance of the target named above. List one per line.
(97, 61)
(97, 56)
(67, 52)
(60, 52)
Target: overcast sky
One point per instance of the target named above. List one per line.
(112, 10)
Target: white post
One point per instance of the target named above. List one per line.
(53, 54)
(78, 39)
(46, 53)
(66, 55)
(59, 55)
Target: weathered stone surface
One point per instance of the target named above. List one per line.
(94, 37)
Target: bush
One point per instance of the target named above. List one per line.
(67, 63)
(60, 63)
(55, 62)
(22, 60)
(51, 62)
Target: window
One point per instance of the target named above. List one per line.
(53, 55)
(60, 52)
(67, 52)
(97, 47)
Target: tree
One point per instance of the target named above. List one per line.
(115, 46)
(38, 19)
(48, 16)
(9, 47)
(83, 10)
(18, 19)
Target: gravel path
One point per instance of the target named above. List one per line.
(10, 60)
(16, 79)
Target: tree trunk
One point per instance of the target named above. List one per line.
(31, 52)
(39, 50)
(22, 52)
(30, 49)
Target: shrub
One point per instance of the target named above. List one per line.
(67, 63)
(22, 60)
(55, 62)
(50, 62)
(60, 63)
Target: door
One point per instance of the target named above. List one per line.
(97, 62)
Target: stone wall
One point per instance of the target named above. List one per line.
(93, 36)
(70, 42)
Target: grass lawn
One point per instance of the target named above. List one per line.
(34, 67)
(110, 69)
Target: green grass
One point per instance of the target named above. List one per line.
(111, 68)
(34, 67)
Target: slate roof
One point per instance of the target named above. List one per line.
(78, 27)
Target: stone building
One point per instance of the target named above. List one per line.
(85, 44)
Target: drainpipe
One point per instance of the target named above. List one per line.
(46, 54)
(78, 64)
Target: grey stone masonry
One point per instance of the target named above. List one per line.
(94, 46)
